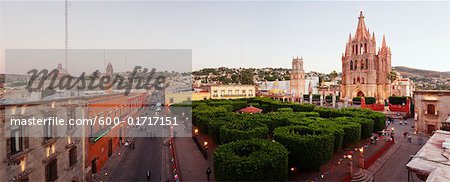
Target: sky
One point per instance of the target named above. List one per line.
(233, 34)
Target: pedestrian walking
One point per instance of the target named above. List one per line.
(133, 145)
(148, 174)
(405, 133)
(208, 172)
(409, 139)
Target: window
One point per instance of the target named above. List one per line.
(356, 49)
(356, 64)
(354, 80)
(365, 47)
(236, 92)
(70, 115)
(361, 49)
(189, 99)
(362, 64)
(367, 64)
(351, 65)
(243, 92)
(171, 100)
(51, 170)
(431, 109)
(48, 130)
(362, 79)
(230, 92)
(250, 92)
(72, 156)
(222, 92)
(16, 139)
(215, 93)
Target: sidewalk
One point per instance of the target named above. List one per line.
(191, 162)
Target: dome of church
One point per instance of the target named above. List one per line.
(62, 71)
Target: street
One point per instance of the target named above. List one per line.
(395, 167)
(147, 155)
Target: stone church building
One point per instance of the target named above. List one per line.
(365, 69)
(297, 80)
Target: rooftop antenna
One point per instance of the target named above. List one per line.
(125, 61)
(66, 41)
(104, 58)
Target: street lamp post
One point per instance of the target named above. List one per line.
(361, 157)
(350, 165)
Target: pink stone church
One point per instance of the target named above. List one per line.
(365, 69)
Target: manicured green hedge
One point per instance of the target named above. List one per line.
(288, 109)
(242, 130)
(370, 100)
(309, 147)
(356, 100)
(379, 119)
(397, 100)
(251, 160)
(366, 126)
(324, 123)
(352, 131)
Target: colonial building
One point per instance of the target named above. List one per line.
(402, 86)
(297, 82)
(365, 69)
(431, 110)
(232, 91)
(41, 153)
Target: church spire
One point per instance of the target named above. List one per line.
(384, 42)
(361, 30)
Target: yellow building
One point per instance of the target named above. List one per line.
(232, 91)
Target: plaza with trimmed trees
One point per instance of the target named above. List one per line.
(264, 146)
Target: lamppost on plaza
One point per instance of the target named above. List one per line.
(361, 157)
(205, 145)
(350, 165)
(196, 132)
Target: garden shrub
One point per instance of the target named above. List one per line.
(370, 100)
(287, 109)
(251, 160)
(309, 147)
(396, 100)
(242, 130)
(352, 131)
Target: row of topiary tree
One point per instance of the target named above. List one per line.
(304, 135)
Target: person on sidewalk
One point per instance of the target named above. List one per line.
(148, 174)
(405, 134)
(208, 172)
(409, 139)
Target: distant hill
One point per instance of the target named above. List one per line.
(419, 73)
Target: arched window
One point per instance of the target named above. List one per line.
(356, 49)
(351, 65)
(353, 49)
(362, 64)
(362, 80)
(358, 80)
(365, 47)
(431, 109)
(361, 49)
(354, 80)
(367, 64)
(356, 64)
